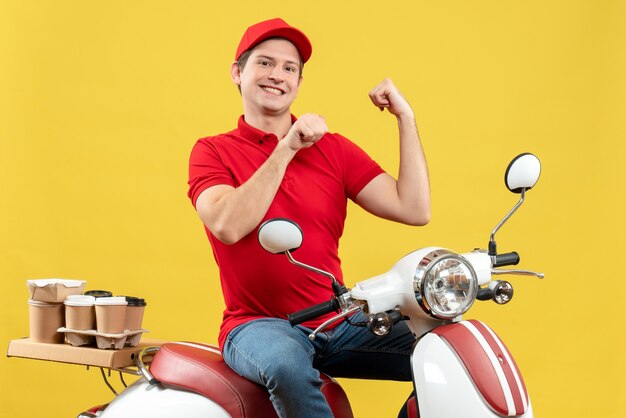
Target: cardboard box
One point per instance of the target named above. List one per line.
(54, 290)
(86, 356)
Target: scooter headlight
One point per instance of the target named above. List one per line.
(445, 285)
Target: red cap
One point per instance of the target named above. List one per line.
(261, 31)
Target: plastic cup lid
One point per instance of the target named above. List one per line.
(135, 301)
(113, 300)
(99, 293)
(79, 300)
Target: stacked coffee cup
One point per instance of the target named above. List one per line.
(45, 319)
(46, 308)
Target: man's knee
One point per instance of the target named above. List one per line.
(290, 376)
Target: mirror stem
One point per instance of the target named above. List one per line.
(306, 266)
(492, 243)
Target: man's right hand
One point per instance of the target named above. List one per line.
(305, 132)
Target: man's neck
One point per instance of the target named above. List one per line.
(278, 125)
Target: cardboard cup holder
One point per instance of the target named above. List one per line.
(79, 338)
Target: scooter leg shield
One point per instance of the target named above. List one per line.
(456, 373)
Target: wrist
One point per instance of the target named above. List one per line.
(407, 117)
(284, 149)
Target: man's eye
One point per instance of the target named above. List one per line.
(291, 69)
(264, 63)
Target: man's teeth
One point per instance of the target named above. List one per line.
(273, 90)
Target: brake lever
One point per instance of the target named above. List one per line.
(517, 272)
(334, 319)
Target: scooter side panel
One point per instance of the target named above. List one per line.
(443, 385)
(143, 400)
(489, 364)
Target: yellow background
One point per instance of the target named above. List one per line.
(101, 102)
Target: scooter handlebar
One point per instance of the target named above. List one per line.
(506, 259)
(313, 312)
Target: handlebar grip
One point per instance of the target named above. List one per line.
(507, 259)
(313, 312)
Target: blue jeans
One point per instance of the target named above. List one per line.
(272, 353)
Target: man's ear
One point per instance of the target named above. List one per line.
(235, 73)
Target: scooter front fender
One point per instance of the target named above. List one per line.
(464, 369)
(141, 400)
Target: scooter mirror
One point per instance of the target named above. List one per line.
(522, 173)
(280, 235)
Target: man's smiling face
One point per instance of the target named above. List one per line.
(270, 79)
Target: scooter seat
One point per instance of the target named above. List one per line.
(201, 369)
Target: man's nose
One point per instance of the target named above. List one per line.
(276, 74)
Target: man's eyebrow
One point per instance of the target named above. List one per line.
(274, 59)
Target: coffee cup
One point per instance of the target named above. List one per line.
(111, 314)
(45, 319)
(79, 312)
(134, 312)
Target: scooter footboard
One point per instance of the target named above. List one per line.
(464, 369)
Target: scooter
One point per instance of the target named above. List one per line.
(460, 367)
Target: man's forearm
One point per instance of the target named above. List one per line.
(231, 214)
(413, 182)
(238, 211)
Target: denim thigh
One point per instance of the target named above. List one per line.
(272, 353)
(354, 352)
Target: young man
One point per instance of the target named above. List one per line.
(276, 165)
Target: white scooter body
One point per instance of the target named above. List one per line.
(444, 386)
(153, 401)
